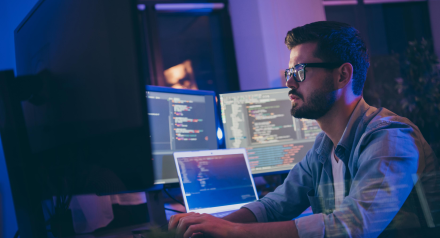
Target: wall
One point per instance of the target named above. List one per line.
(434, 9)
(259, 28)
(11, 14)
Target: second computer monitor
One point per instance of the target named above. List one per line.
(260, 121)
(180, 120)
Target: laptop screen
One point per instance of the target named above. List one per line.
(215, 181)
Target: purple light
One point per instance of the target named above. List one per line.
(141, 7)
(188, 7)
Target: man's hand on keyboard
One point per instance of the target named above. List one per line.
(195, 225)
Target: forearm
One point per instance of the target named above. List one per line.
(243, 215)
(270, 229)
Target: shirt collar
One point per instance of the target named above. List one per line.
(346, 141)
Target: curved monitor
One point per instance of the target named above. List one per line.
(180, 120)
(260, 121)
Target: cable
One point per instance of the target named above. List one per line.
(169, 209)
(169, 195)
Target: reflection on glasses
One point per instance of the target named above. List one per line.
(298, 72)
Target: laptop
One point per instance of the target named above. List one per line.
(216, 182)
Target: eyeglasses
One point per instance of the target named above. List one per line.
(298, 72)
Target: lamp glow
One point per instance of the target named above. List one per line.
(141, 7)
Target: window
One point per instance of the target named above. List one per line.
(189, 45)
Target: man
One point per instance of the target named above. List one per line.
(360, 172)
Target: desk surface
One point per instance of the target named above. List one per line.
(125, 232)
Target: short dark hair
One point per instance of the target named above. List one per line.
(336, 42)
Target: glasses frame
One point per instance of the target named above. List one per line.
(289, 73)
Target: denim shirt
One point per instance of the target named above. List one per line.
(381, 152)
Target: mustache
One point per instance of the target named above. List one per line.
(293, 92)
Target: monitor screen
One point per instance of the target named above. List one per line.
(89, 133)
(215, 181)
(180, 120)
(260, 121)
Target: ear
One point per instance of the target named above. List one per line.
(344, 75)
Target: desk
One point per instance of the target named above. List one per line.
(127, 232)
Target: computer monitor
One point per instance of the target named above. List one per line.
(89, 132)
(260, 121)
(180, 120)
(86, 131)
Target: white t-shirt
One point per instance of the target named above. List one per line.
(338, 179)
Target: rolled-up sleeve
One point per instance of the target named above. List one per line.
(258, 209)
(311, 226)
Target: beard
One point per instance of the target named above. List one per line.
(319, 103)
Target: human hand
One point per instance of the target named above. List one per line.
(199, 225)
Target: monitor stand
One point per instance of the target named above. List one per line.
(156, 207)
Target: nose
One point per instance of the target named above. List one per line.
(291, 83)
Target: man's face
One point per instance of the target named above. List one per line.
(312, 98)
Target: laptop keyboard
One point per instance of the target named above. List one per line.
(222, 214)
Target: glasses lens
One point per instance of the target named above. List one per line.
(296, 72)
(300, 75)
(288, 74)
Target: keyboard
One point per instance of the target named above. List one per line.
(222, 214)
